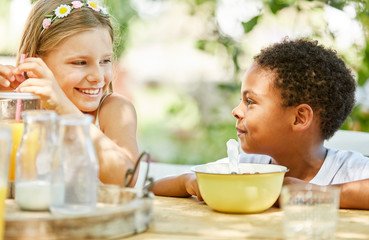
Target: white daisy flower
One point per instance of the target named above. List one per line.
(104, 10)
(63, 11)
(93, 5)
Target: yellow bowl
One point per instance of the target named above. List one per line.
(255, 189)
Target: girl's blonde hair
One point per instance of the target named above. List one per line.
(35, 42)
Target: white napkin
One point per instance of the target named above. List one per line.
(232, 151)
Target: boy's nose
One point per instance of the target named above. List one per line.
(236, 112)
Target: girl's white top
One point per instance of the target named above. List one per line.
(97, 122)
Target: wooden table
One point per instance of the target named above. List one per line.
(187, 218)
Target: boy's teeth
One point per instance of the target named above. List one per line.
(90, 91)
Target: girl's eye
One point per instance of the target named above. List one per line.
(79, 62)
(106, 61)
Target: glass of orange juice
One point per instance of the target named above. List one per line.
(5, 144)
(12, 104)
(17, 132)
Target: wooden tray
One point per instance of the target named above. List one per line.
(120, 212)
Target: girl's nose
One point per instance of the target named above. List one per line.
(96, 74)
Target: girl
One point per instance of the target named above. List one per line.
(69, 49)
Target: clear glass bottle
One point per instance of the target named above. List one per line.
(75, 168)
(5, 147)
(34, 157)
(5, 142)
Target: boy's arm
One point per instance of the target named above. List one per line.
(355, 194)
(183, 185)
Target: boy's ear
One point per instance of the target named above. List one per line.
(304, 116)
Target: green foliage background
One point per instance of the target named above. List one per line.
(203, 140)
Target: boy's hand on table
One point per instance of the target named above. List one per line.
(292, 180)
(288, 181)
(190, 182)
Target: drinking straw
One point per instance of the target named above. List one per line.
(18, 108)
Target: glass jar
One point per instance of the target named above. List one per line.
(34, 155)
(75, 168)
(5, 142)
(12, 105)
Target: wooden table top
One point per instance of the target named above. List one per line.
(187, 218)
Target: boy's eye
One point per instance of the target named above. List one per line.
(249, 101)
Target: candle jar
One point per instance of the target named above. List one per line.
(34, 155)
(75, 168)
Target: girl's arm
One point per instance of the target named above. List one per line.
(184, 185)
(116, 143)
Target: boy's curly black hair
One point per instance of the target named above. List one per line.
(307, 72)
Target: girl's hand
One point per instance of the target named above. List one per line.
(9, 80)
(41, 82)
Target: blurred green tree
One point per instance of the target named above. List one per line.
(205, 140)
(359, 119)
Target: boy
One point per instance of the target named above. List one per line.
(295, 95)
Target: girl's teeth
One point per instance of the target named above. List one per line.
(90, 91)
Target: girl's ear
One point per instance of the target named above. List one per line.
(304, 116)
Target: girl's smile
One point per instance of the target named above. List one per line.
(91, 92)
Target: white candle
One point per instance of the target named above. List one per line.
(33, 195)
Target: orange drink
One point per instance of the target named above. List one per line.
(12, 105)
(5, 142)
(17, 132)
(3, 193)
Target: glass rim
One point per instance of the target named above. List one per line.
(310, 187)
(40, 115)
(17, 95)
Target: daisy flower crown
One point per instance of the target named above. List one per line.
(64, 10)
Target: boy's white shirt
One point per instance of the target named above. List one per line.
(339, 166)
(342, 166)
